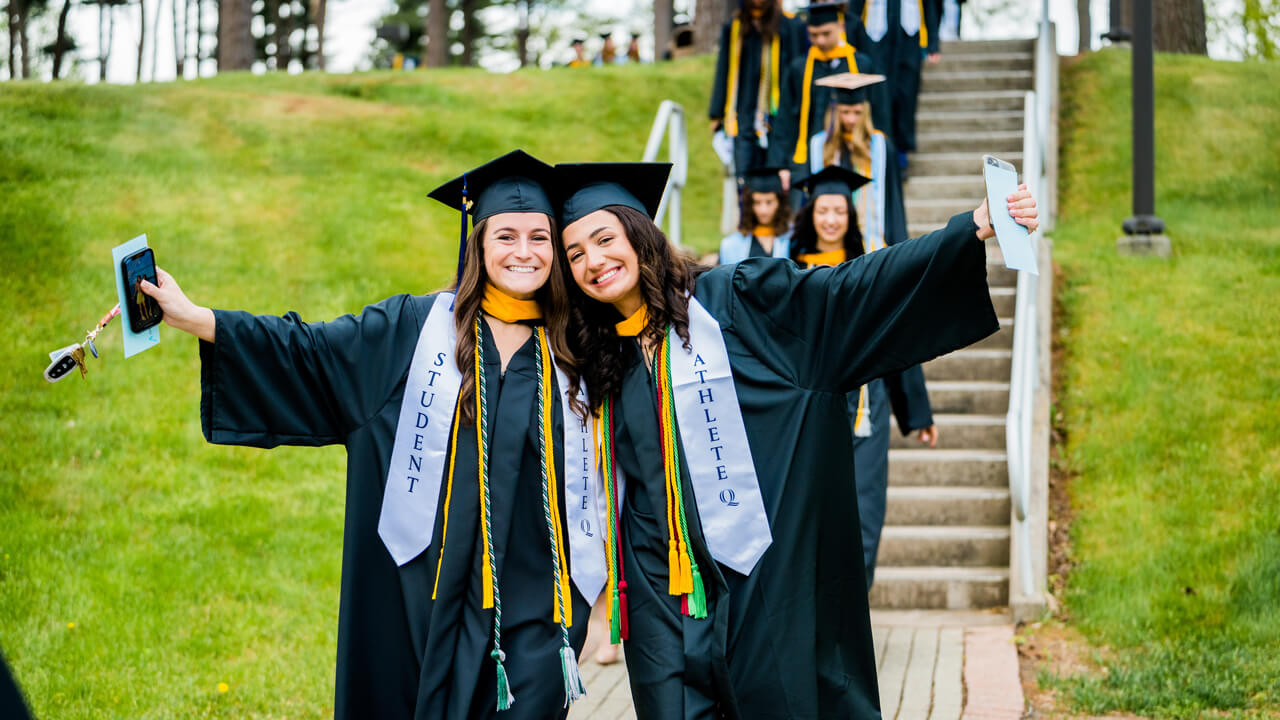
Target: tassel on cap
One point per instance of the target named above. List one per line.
(462, 239)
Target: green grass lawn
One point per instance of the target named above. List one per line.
(139, 567)
(1172, 390)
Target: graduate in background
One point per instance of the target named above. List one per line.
(829, 231)
(735, 571)
(456, 600)
(633, 49)
(765, 226)
(756, 46)
(899, 35)
(579, 54)
(804, 102)
(608, 52)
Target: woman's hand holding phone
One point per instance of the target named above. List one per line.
(179, 312)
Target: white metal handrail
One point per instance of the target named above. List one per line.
(670, 123)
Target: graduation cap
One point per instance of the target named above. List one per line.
(821, 13)
(577, 41)
(588, 187)
(763, 180)
(606, 35)
(516, 182)
(834, 180)
(850, 88)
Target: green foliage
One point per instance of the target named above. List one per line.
(184, 565)
(1172, 374)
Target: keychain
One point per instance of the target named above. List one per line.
(72, 356)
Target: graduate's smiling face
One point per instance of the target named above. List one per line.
(602, 261)
(831, 220)
(518, 253)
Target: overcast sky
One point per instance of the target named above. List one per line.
(350, 31)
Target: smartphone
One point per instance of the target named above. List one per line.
(1015, 240)
(144, 311)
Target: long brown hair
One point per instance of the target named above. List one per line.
(804, 239)
(666, 278)
(859, 153)
(553, 297)
(747, 221)
(766, 24)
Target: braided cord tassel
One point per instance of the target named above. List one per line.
(696, 597)
(492, 597)
(616, 608)
(665, 441)
(573, 687)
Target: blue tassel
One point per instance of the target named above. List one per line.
(462, 240)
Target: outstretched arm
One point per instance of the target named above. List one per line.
(179, 312)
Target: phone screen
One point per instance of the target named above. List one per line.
(1014, 239)
(144, 312)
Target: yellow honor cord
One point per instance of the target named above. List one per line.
(634, 325)
(860, 418)
(553, 490)
(831, 257)
(775, 74)
(844, 50)
(502, 306)
(924, 26)
(448, 496)
(731, 77)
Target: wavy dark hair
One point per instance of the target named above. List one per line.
(666, 278)
(766, 24)
(553, 296)
(804, 239)
(747, 218)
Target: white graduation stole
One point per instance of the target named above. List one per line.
(722, 473)
(419, 458)
(878, 21)
(870, 198)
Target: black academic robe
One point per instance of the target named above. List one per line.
(895, 211)
(781, 152)
(12, 705)
(792, 639)
(793, 42)
(899, 57)
(269, 381)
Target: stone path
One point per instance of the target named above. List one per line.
(933, 665)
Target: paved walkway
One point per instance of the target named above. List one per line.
(932, 666)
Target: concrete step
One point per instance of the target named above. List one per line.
(998, 143)
(926, 164)
(992, 365)
(1000, 276)
(956, 546)
(961, 121)
(984, 47)
(947, 506)
(937, 211)
(952, 100)
(969, 396)
(927, 187)
(958, 432)
(1004, 298)
(977, 62)
(948, 468)
(944, 81)
(1002, 339)
(939, 588)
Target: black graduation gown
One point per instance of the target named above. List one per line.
(793, 639)
(793, 42)
(781, 152)
(899, 57)
(12, 704)
(270, 381)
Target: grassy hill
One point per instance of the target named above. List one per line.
(1172, 374)
(139, 567)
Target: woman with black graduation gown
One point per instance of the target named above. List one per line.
(829, 231)
(415, 638)
(777, 625)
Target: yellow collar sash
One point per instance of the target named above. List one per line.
(502, 306)
(831, 257)
(634, 325)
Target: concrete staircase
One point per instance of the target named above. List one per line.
(947, 528)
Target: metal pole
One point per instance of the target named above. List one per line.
(1117, 33)
(1144, 220)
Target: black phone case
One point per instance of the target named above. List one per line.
(137, 322)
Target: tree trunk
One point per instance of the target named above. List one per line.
(142, 35)
(1180, 26)
(199, 37)
(284, 28)
(235, 35)
(522, 32)
(155, 37)
(663, 19)
(60, 42)
(24, 40)
(1085, 24)
(710, 15)
(11, 22)
(317, 13)
(180, 39)
(468, 32)
(437, 54)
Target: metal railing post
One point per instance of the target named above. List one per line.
(669, 123)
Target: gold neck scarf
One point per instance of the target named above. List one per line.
(635, 324)
(502, 306)
(763, 231)
(830, 257)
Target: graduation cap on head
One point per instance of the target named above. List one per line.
(834, 180)
(516, 182)
(763, 180)
(606, 35)
(821, 13)
(577, 41)
(588, 187)
(849, 88)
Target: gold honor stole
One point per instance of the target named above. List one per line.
(770, 58)
(420, 454)
(843, 50)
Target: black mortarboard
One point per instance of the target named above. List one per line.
(763, 180)
(606, 35)
(515, 182)
(588, 187)
(577, 41)
(834, 180)
(821, 13)
(849, 88)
